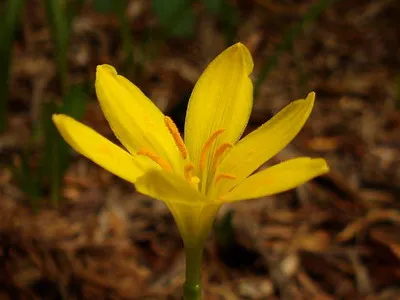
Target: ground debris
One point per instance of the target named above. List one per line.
(333, 238)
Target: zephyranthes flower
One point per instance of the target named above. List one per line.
(194, 176)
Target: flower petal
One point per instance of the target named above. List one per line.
(192, 211)
(223, 92)
(134, 118)
(98, 149)
(266, 141)
(278, 178)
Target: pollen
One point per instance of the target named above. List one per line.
(224, 176)
(219, 152)
(206, 147)
(173, 130)
(156, 158)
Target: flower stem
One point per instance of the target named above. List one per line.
(192, 286)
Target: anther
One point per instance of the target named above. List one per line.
(157, 159)
(206, 147)
(188, 171)
(224, 176)
(173, 130)
(219, 152)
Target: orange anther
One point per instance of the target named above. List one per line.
(173, 130)
(188, 171)
(157, 159)
(206, 147)
(218, 153)
(224, 176)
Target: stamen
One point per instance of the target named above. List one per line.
(173, 130)
(188, 171)
(218, 153)
(224, 176)
(206, 147)
(157, 159)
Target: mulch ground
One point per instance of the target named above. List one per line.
(336, 237)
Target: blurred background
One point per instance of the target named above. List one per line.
(71, 230)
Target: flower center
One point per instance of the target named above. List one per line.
(212, 176)
(189, 168)
(207, 146)
(218, 154)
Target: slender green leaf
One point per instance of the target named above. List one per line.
(104, 6)
(126, 36)
(214, 6)
(58, 21)
(224, 230)
(176, 17)
(28, 181)
(8, 23)
(75, 101)
(72, 9)
(56, 151)
(227, 14)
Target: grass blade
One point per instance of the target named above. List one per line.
(8, 24)
(56, 152)
(58, 22)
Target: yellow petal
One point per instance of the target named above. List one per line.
(133, 117)
(222, 99)
(266, 141)
(278, 178)
(192, 211)
(98, 149)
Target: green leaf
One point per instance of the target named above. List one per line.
(104, 6)
(56, 151)
(227, 14)
(57, 18)
(224, 230)
(214, 6)
(8, 23)
(75, 101)
(28, 181)
(73, 9)
(176, 17)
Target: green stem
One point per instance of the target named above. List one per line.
(192, 286)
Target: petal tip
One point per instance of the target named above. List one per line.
(57, 118)
(322, 165)
(311, 95)
(105, 69)
(239, 51)
(240, 46)
(246, 57)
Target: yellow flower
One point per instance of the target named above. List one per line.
(211, 166)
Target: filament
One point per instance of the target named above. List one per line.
(206, 147)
